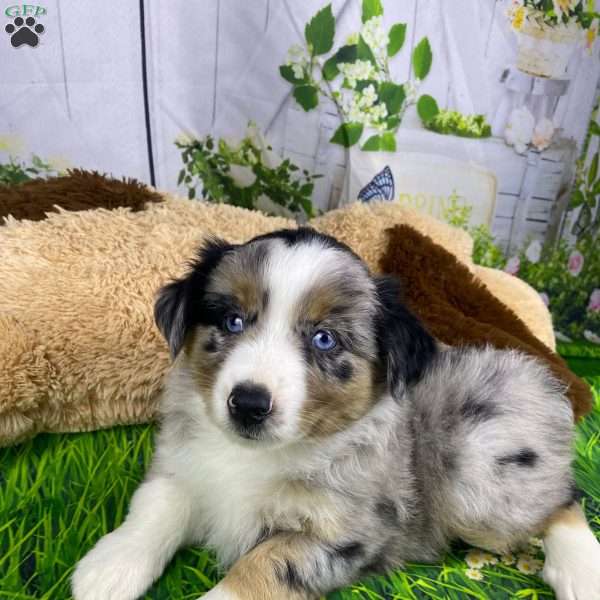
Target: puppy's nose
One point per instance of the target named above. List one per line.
(249, 403)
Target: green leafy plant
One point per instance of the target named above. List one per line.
(245, 173)
(15, 171)
(587, 190)
(451, 122)
(356, 76)
(553, 13)
(485, 251)
(567, 278)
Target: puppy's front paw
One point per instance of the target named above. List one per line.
(113, 569)
(573, 569)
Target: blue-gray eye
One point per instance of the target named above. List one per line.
(234, 324)
(324, 340)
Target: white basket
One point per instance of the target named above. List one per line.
(546, 51)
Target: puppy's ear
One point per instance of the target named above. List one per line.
(405, 346)
(179, 303)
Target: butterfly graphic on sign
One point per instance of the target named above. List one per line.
(381, 187)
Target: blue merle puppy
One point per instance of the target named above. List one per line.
(313, 432)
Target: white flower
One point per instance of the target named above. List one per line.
(535, 541)
(545, 299)
(296, 54)
(379, 112)
(298, 71)
(575, 263)
(242, 176)
(357, 71)
(508, 559)
(270, 159)
(534, 251)
(474, 574)
(234, 144)
(590, 336)
(519, 129)
(594, 303)
(369, 96)
(411, 89)
(185, 138)
(478, 558)
(374, 35)
(543, 134)
(528, 564)
(513, 265)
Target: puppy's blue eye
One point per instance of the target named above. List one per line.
(234, 324)
(324, 340)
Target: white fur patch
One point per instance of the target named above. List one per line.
(125, 563)
(572, 564)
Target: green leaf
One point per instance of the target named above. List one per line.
(364, 52)
(392, 122)
(593, 171)
(594, 128)
(191, 193)
(396, 38)
(422, 58)
(330, 68)
(393, 96)
(373, 144)
(181, 176)
(427, 108)
(347, 134)
(306, 96)
(370, 9)
(388, 142)
(361, 84)
(577, 199)
(319, 31)
(288, 74)
(346, 54)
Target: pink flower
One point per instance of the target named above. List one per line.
(594, 304)
(575, 263)
(512, 266)
(545, 298)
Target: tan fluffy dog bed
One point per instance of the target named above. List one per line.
(78, 346)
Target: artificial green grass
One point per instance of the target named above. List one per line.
(582, 356)
(60, 493)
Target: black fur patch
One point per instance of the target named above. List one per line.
(288, 575)
(525, 457)
(405, 347)
(305, 235)
(377, 565)
(387, 511)
(211, 344)
(476, 411)
(343, 371)
(179, 305)
(348, 551)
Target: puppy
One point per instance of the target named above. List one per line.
(311, 434)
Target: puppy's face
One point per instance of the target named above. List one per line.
(288, 336)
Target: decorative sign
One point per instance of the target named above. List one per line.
(429, 183)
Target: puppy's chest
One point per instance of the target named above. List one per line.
(242, 497)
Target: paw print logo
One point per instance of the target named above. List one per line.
(24, 32)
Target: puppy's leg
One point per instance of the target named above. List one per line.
(124, 563)
(291, 567)
(572, 564)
